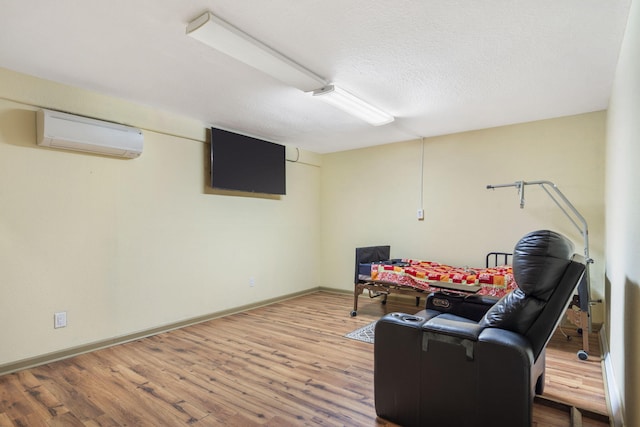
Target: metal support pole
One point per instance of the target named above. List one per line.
(580, 223)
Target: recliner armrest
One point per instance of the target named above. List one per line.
(451, 329)
(452, 325)
(514, 341)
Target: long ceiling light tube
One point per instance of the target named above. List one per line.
(353, 105)
(230, 40)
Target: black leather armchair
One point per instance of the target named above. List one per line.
(443, 369)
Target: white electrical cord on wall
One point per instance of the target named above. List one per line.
(420, 205)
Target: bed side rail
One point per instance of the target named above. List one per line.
(496, 257)
(370, 254)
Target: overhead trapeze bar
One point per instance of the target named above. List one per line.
(581, 224)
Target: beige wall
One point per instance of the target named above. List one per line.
(623, 225)
(128, 245)
(370, 196)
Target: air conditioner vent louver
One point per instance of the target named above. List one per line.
(70, 132)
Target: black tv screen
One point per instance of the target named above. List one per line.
(243, 163)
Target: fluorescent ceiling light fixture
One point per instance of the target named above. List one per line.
(353, 105)
(222, 36)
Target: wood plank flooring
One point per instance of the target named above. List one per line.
(286, 364)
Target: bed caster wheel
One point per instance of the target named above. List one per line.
(582, 355)
(579, 330)
(353, 313)
(383, 302)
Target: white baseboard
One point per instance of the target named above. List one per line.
(614, 402)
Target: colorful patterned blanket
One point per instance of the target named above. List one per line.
(495, 281)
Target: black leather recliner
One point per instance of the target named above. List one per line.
(443, 369)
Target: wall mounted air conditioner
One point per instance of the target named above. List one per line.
(71, 132)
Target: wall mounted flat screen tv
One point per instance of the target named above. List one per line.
(243, 163)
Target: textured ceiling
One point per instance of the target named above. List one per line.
(439, 66)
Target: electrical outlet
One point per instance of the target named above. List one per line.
(60, 320)
(252, 282)
(420, 214)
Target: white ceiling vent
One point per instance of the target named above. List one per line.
(71, 132)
